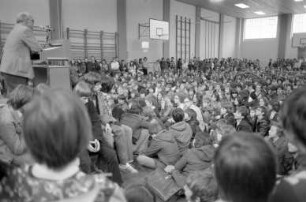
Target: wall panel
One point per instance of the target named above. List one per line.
(140, 11)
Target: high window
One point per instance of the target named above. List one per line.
(260, 28)
(299, 23)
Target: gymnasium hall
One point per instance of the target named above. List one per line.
(152, 100)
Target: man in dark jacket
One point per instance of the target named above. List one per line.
(196, 159)
(163, 146)
(105, 155)
(242, 122)
(181, 130)
(262, 125)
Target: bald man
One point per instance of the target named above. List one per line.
(16, 66)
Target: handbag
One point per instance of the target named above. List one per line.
(162, 184)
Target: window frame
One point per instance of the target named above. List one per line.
(262, 28)
(293, 31)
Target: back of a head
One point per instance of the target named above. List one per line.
(245, 168)
(23, 17)
(293, 115)
(203, 186)
(82, 89)
(117, 112)
(56, 128)
(92, 78)
(107, 84)
(20, 96)
(178, 115)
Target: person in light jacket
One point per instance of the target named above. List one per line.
(16, 66)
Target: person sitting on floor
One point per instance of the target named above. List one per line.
(163, 146)
(181, 130)
(100, 150)
(122, 141)
(139, 125)
(198, 158)
(242, 122)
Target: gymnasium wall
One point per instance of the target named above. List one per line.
(262, 49)
(229, 36)
(209, 35)
(140, 11)
(281, 46)
(290, 51)
(93, 15)
(38, 8)
(185, 10)
(102, 15)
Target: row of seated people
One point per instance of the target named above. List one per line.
(84, 66)
(57, 129)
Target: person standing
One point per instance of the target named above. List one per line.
(16, 66)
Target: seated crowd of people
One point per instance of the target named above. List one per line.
(220, 129)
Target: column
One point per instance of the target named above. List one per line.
(198, 31)
(166, 17)
(121, 37)
(221, 33)
(55, 10)
(284, 27)
(239, 36)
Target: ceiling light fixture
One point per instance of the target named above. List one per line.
(259, 13)
(304, 6)
(241, 5)
(298, 0)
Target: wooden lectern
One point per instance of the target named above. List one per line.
(54, 68)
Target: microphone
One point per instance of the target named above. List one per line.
(46, 28)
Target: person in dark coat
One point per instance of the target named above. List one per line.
(93, 65)
(196, 159)
(280, 142)
(227, 115)
(163, 149)
(242, 122)
(181, 130)
(262, 125)
(99, 148)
